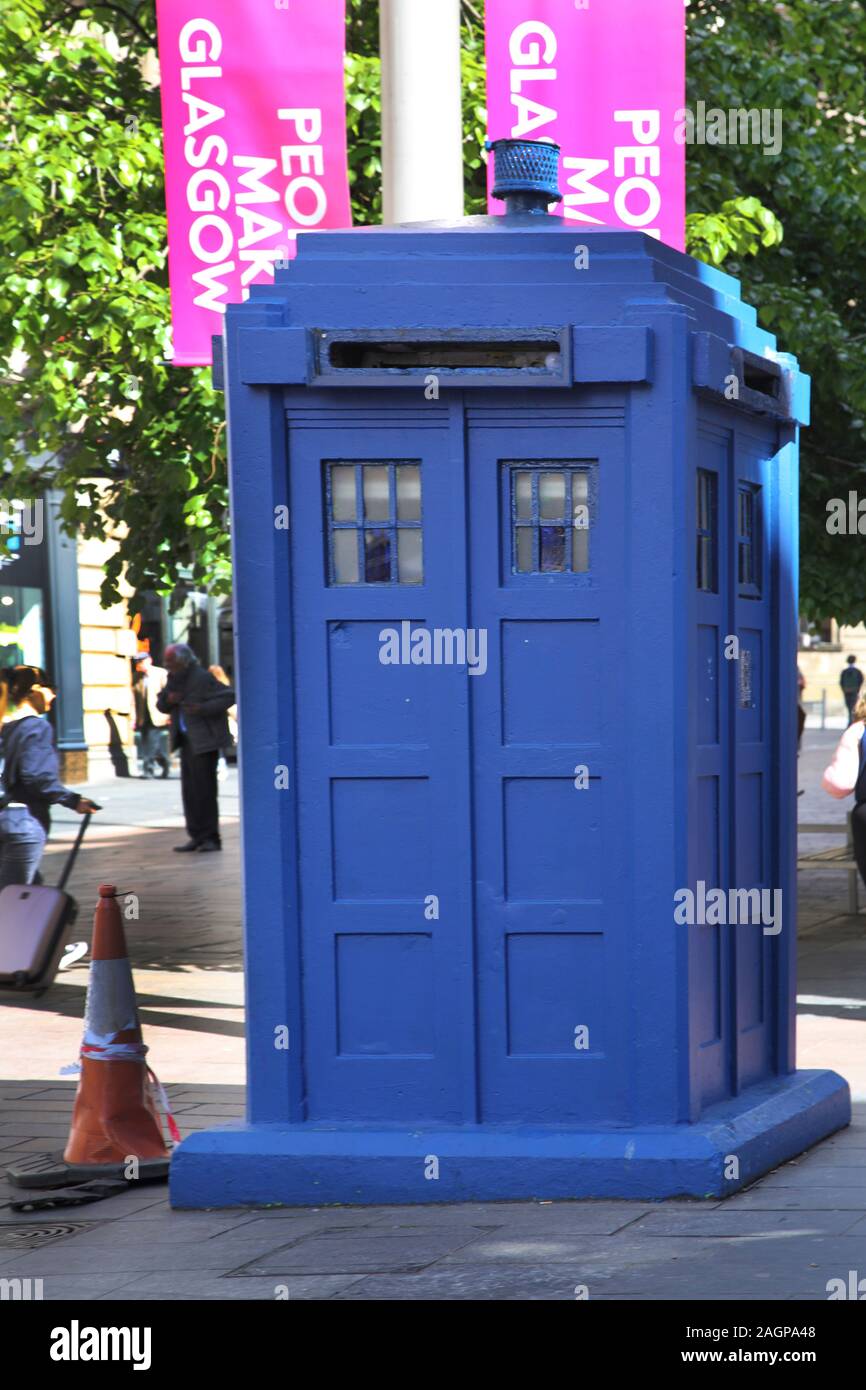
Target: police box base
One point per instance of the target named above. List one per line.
(316, 1164)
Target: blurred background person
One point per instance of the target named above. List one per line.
(197, 703)
(30, 779)
(151, 724)
(847, 774)
(232, 716)
(851, 680)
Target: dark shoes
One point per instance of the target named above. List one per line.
(189, 848)
(209, 847)
(194, 847)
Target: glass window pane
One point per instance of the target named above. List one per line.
(343, 492)
(409, 492)
(410, 569)
(523, 496)
(580, 500)
(376, 503)
(551, 496)
(580, 551)
(523, 549)
(377, 557)
(345, 556)
(552, 549)
(21, 627)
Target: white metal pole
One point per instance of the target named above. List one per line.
(422, 127)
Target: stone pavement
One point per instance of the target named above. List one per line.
(781, 1240)
(185, 944)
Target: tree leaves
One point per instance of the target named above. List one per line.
(797, 58)
(740, 228)
(84, 293)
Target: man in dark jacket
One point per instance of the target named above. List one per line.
(197, 703)
(851, 681)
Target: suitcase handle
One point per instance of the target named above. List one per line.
(73, 853)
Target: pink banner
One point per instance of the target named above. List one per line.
(605, 79)
(253, 114)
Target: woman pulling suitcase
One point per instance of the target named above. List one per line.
(30, 773)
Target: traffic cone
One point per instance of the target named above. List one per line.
(114, 1118)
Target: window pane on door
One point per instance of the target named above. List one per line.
(373, 509)
(377, 557)
(551, 496)
(550, 516)
(345, 555)
(377, 502)
(410, 569)
(344, 502)
(749, 540)
(408, 492)
(707, 531)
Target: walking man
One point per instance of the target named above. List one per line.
(851, 681)
(197, 703)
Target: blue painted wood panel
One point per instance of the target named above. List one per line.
(383, 794)
(550, 868)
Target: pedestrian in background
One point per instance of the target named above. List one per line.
(151, 724)
(847, 774)
(198, 705)
(232, 716)
(851, 680)
(31, 773)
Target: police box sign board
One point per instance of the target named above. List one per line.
(255, 148)
(605, 79)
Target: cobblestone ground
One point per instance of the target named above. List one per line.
(782, 1239)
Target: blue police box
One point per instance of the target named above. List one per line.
(514, 515)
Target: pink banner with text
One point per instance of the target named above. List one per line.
(254, 124)
(605, 79)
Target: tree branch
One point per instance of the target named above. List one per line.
(101, 5)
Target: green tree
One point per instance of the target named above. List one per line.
(806, 59)
(86, 392)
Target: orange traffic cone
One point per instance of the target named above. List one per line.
(114, 1118)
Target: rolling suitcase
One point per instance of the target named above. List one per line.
(34, 923)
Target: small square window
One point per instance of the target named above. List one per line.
(373, 522)
(550, 517)
(749, 540)
(708, 531)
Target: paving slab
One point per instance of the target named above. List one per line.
(733, 1220)
(188, 1289)
(835, 1175)
(219, 1254)
(366, 1249)
(819, 1196)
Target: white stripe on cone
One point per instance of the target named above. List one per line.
(110, 1005)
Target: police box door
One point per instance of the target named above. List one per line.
(378, 531)
(752, 787)
(547, 584)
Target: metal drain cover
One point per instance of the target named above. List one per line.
(32, 1237)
